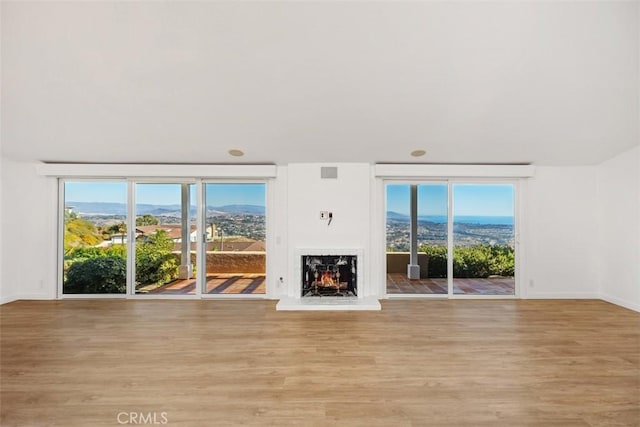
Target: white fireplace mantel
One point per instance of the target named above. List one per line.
(294, 301)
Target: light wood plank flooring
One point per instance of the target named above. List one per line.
(227, 363)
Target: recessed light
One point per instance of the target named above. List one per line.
(418, 153)
(236, 153)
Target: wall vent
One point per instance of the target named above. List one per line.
(328, 172)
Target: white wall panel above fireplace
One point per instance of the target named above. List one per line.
(347, 197)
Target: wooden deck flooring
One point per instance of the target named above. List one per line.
(246, 283)
(231, 283)
(398, 283)
(78, 363)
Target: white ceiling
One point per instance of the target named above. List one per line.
(554, 83)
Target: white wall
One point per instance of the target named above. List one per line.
(297, 196)
(348, 197)
(565, 253)
(277, 217)
(28, 233)
(618, 254)
(3, 299)
(560, 237)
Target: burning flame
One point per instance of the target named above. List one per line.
(327, 279)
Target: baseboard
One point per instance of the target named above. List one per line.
(563, 295)
(328, 303)
(32, 297)
(620, 302)
(7, 300)
(588, 295)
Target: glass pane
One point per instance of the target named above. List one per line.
(483, 239)
(166, 233)
(235, 238)
(431, 239)
(95, 242)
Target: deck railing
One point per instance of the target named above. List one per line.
(232, 262)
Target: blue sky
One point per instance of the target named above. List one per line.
(112, 192)
(235, 194)
(469, 199)
(164, 194)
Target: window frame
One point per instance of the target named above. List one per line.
(200, 182)
(60, 244)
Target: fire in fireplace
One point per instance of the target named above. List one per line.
(329, 275)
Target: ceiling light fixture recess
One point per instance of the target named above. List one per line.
(236, 153)
(418, 153)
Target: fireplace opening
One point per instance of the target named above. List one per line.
(329, 275)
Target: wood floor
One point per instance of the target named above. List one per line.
(227, 363)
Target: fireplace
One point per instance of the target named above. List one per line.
(329, 276)
(328, 279)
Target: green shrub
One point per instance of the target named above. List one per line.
(84, 253)
(472, 261)
(147, 219)
(155, 262)
(79, 232)
(97, 275)
(503, 261)
(479, 261)
(437, 260)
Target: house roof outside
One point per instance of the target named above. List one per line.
(230, 244)
(173, 230)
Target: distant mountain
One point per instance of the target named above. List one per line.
(240, 209)
(215, 212)
(104, 208)
(96, 208)
(170, 210)
(458, 219)
(396, 215)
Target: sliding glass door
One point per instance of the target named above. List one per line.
(134, 237)
(165, 235)
(450, 238)
(416, 238)
(94, 237)
(234, 239)
(483, 239)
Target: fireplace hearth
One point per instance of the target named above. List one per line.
(329, 276)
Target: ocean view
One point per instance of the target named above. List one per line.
(467, 230)
(467, 219)
(458, 219)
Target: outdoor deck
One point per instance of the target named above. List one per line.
(398, 283)
(226, 283)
